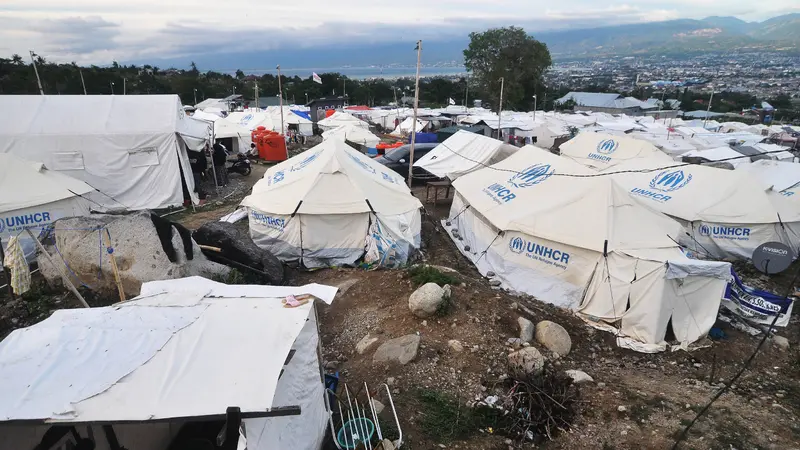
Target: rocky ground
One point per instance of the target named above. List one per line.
(635, 401)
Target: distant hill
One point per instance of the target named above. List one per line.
(675, 36)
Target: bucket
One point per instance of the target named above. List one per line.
(354, 432)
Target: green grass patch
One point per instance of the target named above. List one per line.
(426, 274)
(446, 419)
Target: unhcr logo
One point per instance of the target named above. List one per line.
(304, 162)
(20, 222)
(531, 176)
(607, 146)
(540, 253)
(361, 163)
(245, 119)
(720, 232)
(668, 181)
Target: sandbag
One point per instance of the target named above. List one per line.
(237, 246)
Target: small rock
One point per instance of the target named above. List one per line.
(601, 385)
(427, 299)
(14, 321)
(378, 406)
(331, 365)
(514, 305)
(526, 329)
(400, 350)
(455, 346)
(390, 381)
(386, 445)
(781, 342)
(698, 365)
(624, 432)
(779, 395)
(366, 344)
(554, 337)
(527, 361)
(466, 248)
(490, 274)
(495, 283)
(579, 376)
(424, 323)
(621, 408)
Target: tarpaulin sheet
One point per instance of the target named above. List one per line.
(756, 305)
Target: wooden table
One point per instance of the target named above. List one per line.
(437, 186)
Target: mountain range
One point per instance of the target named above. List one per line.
(677, 36)
(673, 37)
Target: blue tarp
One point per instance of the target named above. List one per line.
(756, 305)
(303, 114)
(425, 138)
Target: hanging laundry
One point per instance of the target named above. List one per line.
(15, 261)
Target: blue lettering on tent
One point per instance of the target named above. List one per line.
(537, 252)
(275, 223)
(23, 221)
(723, 232)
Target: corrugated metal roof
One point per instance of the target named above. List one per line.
(590, 99)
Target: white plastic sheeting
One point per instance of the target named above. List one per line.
(406, 126)
(354, 134)
(319, 205)
(463, 153)
(339, 119)
(776, 175)
(130, 147)
(152, 357)
(725, 154)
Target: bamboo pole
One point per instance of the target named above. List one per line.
(64, 277)
(107, 239)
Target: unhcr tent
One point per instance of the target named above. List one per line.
(783, 177)
(339, 119)
(33, 197)
(354, 134)
(183, 351)
(132, 148)
(463, 153)
(725, 213)
(583, 243)
(601, 151)
(329, 205)
(405, 127)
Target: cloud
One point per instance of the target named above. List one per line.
(99, 31)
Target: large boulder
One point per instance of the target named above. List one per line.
(554, 337)
(401, 350)
(237, 246)
(366, 344)
(525, 362)
(428, 299)
(146, 248)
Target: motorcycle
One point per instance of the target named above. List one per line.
(241, 165)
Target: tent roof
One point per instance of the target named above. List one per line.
(461, 153)
(339, 118)
(71, 115)
(354, 134)
(155, 356)
(27, 184)
(694, 192)
(720, 154)
(331, 178)
(529, 193)
(776, 175)
(601, 151)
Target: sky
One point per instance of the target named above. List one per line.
(102, 31)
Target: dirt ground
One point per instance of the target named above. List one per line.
(660, 393)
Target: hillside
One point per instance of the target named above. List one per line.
(684, 35)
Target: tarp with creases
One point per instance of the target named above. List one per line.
(462, 153)
(132, 148)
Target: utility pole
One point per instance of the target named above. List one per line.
(500, 111)
(344, 86)
(195, 96)
(255, 87)
(280, 94)
(124, 86)
(414, 123)
(466, 95)
(82, 82)
(708, 111)
(534, 108)
(112, 88)
(36, 71)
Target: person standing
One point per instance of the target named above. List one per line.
(219, 159)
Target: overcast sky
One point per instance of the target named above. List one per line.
(100, 31)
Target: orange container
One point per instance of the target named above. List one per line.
(272, 147)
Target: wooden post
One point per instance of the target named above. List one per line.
(107, 238)
(64, 277)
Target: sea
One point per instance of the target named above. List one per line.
(371, 72)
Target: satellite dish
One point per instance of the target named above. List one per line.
(772, 257)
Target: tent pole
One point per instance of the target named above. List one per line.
(36, 71)
(414, 123)
(280, 93)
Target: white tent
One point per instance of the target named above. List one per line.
(330, 204)
(724, 154)
(463, 153)
(224, 128)
(778, 176)
(354, 134)
(584, 244)
(725, 213)
(338, 119)
(672, 144)
(304, 126)
(405, 127)
(147, 366)
(132, 148)
(547, 133)
(34, 197)
(775, 152)
(601, 151)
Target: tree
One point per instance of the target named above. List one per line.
(239, 74)
(16, 59)
(513, 55)
(194, 70)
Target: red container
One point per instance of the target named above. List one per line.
(272, 147)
